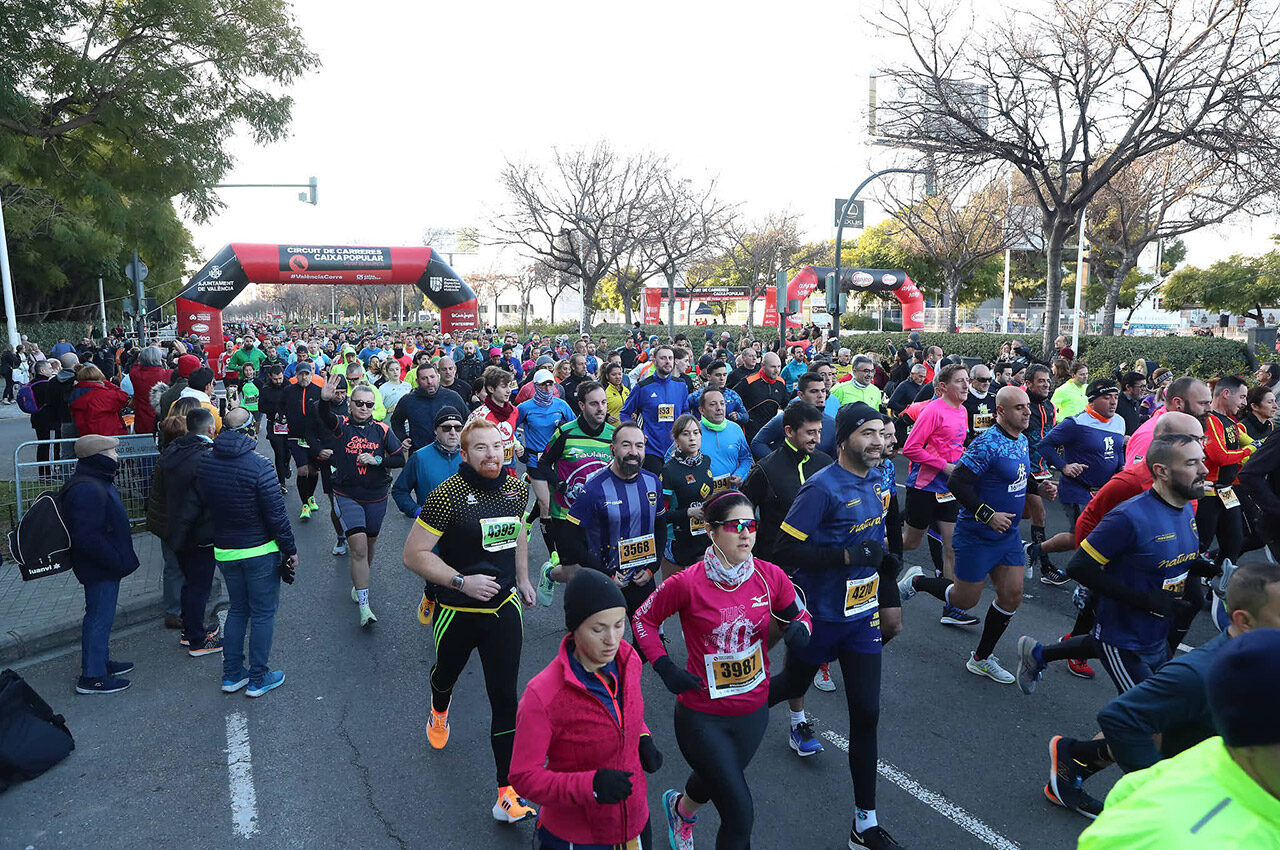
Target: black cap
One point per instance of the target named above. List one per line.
(851, 417)
(1100, 386)
(1244, 708)
(448, 414)
(590, 592)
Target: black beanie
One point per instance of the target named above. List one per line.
(851, 417)
(1242, 694)
(589, 592)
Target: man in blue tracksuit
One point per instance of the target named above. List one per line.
(425, 469)
(724, 442)
(655, 402)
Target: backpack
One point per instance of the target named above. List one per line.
(32, 738)
(41, 542)
(27, 397)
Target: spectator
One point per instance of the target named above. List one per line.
(101, 555)
(187, 363)
(45, 419)
(1064, 350)
(149, 372)
(62, 385)
(96, 404)
(253, 547)
(200, 387)
(9, 361)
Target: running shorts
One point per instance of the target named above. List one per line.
(830, 639)
(302, 455)
(923, 508)
(976, 557)
(536, 474)
(360, 517)
(1128, 667)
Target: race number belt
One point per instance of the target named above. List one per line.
(860, 595)
(733, 673)
(666, 413)
(1228, 497)
(1176, 584)
(500, 533)
(279, 428)
(943, 498)
(636, 553)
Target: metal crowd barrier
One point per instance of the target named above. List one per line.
(33, 476)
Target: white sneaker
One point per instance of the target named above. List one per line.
(340, 548)
(822, 679)
(989, 667)
(905, 590)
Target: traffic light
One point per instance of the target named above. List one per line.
(833, 302)
(310, 196)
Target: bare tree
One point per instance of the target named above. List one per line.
(553, 282)
(758, 250)
(960, 227)
(581, 216)
(686, 224)
(1072, 94)
(524, 282)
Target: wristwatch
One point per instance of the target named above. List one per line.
(457, 581)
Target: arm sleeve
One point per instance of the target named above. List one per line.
(529, 759)
(402, 490)
(670, 596)
(1172, 696)
(1085, 568)
(893, 526)
(764, 442)
(1048, 446)
(963, 484)
(795, 547)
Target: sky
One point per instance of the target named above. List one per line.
(417, 107)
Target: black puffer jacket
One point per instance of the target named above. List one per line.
(244, 488)
(174, 511)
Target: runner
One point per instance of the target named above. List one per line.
(687, 482)
(539, 417)
(271, 405)
(301, 403)
(726, 603)
(328, 444)
(1218, 514)
(724, 442)
(980, 404)
(1043, 418)
(833, 544)
(577, 451)
(990, 482)
(366, 450)
(655, 402)
(581, 744)
(935, 443)
(1087, 447)
(498, 409)
(483, 572)
(619, 517)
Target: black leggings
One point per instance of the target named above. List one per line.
(718, 748)
(280, 447)
(861, 674)
(498, 637)
(1227, 524)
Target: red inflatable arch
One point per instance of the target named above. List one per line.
(865, 280)
(239, 264)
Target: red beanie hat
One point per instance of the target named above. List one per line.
(187, 364)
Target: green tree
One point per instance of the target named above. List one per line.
(108, 111)
(1239, 284)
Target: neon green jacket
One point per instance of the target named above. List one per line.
(1068, 400)
(847, 392)
(1198, 800)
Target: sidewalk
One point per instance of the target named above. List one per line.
(37, 616)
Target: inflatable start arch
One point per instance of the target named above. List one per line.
(239, 264)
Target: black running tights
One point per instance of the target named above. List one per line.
(718, 748)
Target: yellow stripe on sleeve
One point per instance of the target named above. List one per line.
(1093, 553)
(795, 532)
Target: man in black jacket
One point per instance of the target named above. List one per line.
(186, 525)
(774, 482)
(763, 394)
(1133, 386)
(415, 414)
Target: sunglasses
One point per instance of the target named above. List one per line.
(737, 525)
(449, 427)
(362, 403)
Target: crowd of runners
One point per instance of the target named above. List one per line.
(750, 490)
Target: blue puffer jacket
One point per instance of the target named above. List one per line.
(244, 488)
(101, 542)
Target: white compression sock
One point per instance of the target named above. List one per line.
(797, 717)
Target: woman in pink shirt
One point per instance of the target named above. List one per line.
(725, 603)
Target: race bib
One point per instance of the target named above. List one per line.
(720, 482)
(943, 498)
(304, 444)
(1228, 497)
(886, 496)
(500, 533)
(697, 526)
(508, 452)
(636, 553)
(1042, 476)
(666, 413)
(1177, 584)
(860, 595)
(732, 673)
(279, 428)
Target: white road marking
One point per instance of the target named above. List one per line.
(244, 800)
(940, 804)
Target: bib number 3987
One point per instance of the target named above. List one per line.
(860, 595)
(732, 673)
(500, 533)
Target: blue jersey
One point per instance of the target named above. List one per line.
(838, 509)
(1001, 464)
(540, 422)
(1147, 544)
(888, 485)
(657, 401)
(1084, 438)
(618, 518)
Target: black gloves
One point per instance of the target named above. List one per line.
(796, 635)
(287, 570)
(611, 786)
(650, 758)
(1165, 604)
(1203, 566)
(868, 553)
(677, 679)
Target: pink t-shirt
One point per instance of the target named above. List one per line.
(1140, 440)
(935, 440)
(726, 633)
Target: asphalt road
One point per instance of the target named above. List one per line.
(338, 755)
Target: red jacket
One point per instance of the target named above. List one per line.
(144, 378)
(564, 735)
(96, 407)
